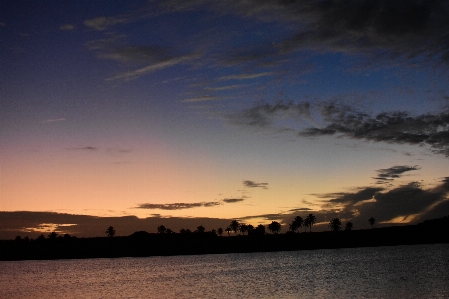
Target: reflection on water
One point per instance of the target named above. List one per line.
(419, 271)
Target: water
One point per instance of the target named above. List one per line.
(419, 271)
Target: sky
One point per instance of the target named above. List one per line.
(186, 113)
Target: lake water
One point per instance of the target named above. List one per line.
(419, 271)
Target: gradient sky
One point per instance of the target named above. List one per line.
(192, 112)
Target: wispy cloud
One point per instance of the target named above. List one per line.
(84, 148)
(343, 121)
(103, 23)
(252, 184)
(245, 76)
(392, 173)
(177, 206)
(133, 74)
(200, 99)
(233, 200)
(67, 27)
(52, 120)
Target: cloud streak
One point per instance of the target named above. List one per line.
(177, 206)
(252, 184)
(392, 173)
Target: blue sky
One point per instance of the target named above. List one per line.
(249, 110)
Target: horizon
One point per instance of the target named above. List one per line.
(188, 114)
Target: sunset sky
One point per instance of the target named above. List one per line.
(140, 113)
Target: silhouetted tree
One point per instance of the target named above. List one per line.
(349, 226)
(185, 231)
(310, 221)
(335, 225)
(169, 231)
(52, 235)
(260, 230)
(372, 221)
(67, 236)
(243, 228)
(200, 229)
(228, 230)
(296, 224)
(220, 231)
(161, 229)
(40, 238)
(250, 228)
(213, 231)
(110, 231)
(235, 225)
(274, 227)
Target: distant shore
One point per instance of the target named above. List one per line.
(141, 244)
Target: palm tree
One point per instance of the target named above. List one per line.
(260, 229)
(234, 225)
(110, 231)
(349, 226)
(310, 221)
(161, 229)
(335, 225)
(274, 227)
(296, 224)
(220, 231)
(243, 228)
(228, 230)
(372, 221)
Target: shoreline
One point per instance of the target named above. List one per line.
(143, 244)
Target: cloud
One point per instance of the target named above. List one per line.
(392, 173)
(52, 120)
(362, 194)
(331, 119)
(85, 148)
(233, 200)
(67, 27)
(245, 76)
(200, 99)
(103, 23)
(251, 184)
(264, 115)
(177, 206)
(129, 75)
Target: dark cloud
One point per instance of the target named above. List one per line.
(233, 200)
(343, 121)
(177, 206)
(402, 30)
(85, 148)
(392, 173)
(353, 198)
(251, 184)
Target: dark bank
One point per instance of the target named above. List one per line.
(141, 244)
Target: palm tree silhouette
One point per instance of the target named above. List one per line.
(349, 226)
(335, 225)
(235, 225)
(296, 224)
(260, 229)
(274, 227)
(372, 221)
(310, 221)
(243, 228)
(220, 231)
(228, 230)
(110, 231)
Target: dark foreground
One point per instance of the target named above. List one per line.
(144, 244)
